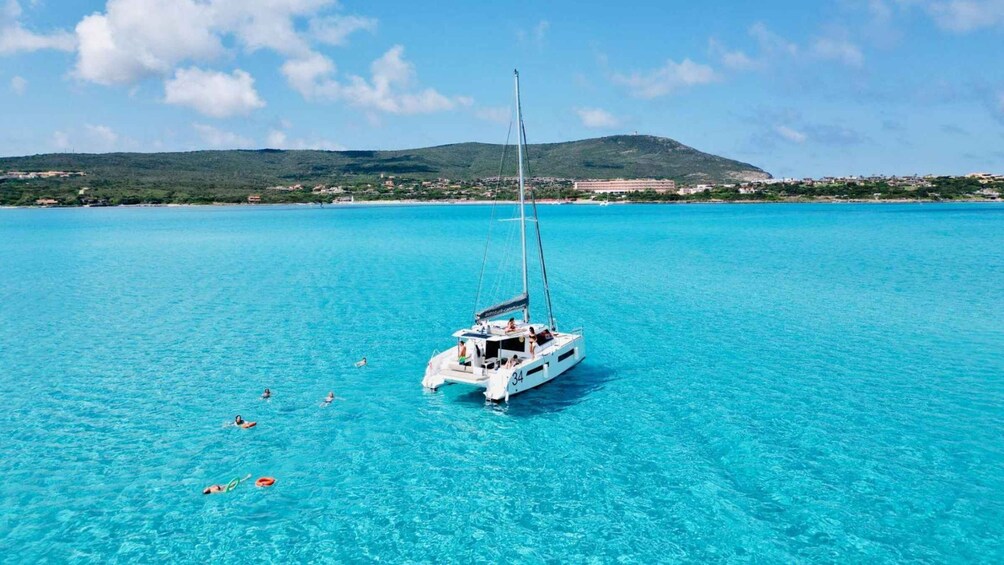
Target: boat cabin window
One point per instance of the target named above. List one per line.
(491, 349)
(537, 369)
(512, 344)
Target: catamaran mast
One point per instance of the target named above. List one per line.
(522, 194)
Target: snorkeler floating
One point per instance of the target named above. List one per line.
(242, 423)
(216, 489)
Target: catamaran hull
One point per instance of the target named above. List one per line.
(535, 372)
(500, 384)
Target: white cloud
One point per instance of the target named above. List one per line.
(103, 133)
(266, 24)
(136, 39)
(335, 30)
(597, 118)
(60, 140)
(817, 134)
(963, 15)
(536, 34)
(770, 43)
(102, 136)
(774, 50)
(497, 114)
(279, 140)
(735, 60)
(14, 38)
(317, 145)
(840, 50)
(215, 137)
(308, 76)
(133, 40)
(18, 85)
(959, 16)
(790, 134)
(670, 77)
(389, 88)
(214, 94)
(276, 139)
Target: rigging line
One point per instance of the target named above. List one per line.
(491, 221)
(540, 245)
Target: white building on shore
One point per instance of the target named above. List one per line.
(623, 186)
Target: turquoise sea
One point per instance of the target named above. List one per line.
(767, 383)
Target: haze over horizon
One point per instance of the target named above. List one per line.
(836, 87)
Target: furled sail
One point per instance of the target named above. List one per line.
(511, 305)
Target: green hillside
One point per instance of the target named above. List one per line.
(228, 176)
(631, 156)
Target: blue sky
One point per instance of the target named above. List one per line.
(798, 88)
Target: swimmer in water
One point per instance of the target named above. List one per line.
(361, 362)
(267, 394)
(216, 489)
(329, 398)
(238, 421)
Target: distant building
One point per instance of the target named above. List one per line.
(46, 202)
(623, 186)
(254, 199)
(694, 189)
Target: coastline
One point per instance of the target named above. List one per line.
(395, 203)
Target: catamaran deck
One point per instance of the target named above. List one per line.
(489, 348)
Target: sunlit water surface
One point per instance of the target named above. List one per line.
(768, 382)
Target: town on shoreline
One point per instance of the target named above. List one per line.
(72, 188)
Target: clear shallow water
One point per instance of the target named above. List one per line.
(769, 382)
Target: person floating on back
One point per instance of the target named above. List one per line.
(216, 489)
(361, 362)
(240, 422)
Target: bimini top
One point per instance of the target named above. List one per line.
(511, 305)
(494, 332)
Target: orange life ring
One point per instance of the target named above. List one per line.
(264, 482)
(246, 425)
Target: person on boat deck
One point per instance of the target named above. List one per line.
(461, 352)
(533, 342)
(511, 325)
(267, 394)
(509, 364)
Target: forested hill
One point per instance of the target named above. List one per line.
(622, 156)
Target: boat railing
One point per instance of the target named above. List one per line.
(429, 369)
(579, 331)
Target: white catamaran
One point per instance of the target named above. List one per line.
(509, 357)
